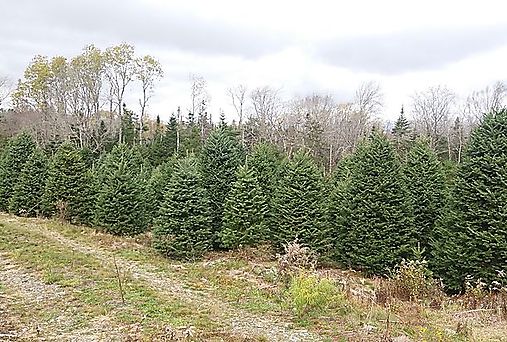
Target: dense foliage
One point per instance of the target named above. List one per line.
(245, 212)
(375, 225)
(390, 199)
(183, 226)
(120, 206)
(298, 210)
(473, 240)
(219, 159)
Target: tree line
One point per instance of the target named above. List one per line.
(380, 205)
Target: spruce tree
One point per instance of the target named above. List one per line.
(298, 206)
(427, 191)
(245, 212)
(183, 228)
(12, 160)
(120, 207)
(68, 191)
(29, 188)
(375, 227)
(473, 239)
(219, 159)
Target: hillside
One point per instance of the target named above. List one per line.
(60, 282)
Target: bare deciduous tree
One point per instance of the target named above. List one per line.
(148, 71)
(432, 110)
(238, 99)
(369, 98)
(483, 101)
(6, 88)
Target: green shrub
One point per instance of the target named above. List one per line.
(309, 296)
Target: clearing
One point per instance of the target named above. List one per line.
(61, 282)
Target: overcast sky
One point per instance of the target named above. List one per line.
(302, 47)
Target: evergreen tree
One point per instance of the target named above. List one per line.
(29, 189)
(219, 159)
(375, 226)
(402, 134)
(68, 191)
(157, 184)
(402, 126)
(266, 161)
(120, 205)
(473, 239)
(129, 124)
(427, 190)
(244, 222)
(183, 227)
(298, 210)
(12, 160)
(338, 189)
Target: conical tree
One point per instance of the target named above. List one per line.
(473, 241)
(12, 160)
(68, 190)
(219, 159)
(298, 206)
(266, 162)
(336, 202)
(120, 205)
(157, 184)
(376, 228)
(183, 228)
(244, 222)
(427, 191)
(29, 189)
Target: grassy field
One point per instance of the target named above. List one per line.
(67, 283)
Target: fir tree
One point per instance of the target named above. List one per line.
(244, 222)
(120, 205)
(183, 227)
(427, 191)
(129, 123)
(157, 184)
(473, 240)
(298, 210)
(219, 159)
(68, 190)
(266, 161)
(375, 226)
(12, 160)
(401, 126)
(29, 189)
(338, 189)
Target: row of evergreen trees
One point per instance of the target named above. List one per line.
(375, 209)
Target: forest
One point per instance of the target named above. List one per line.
(362, 193)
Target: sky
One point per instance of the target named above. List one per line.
(299, 47)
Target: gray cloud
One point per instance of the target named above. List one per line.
(54, 22)
(411, 50)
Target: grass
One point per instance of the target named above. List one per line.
(347, 312)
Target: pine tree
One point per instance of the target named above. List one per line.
(376, 226)
(427, 191)
(473, 239)
(245, 210)
(29, 189)
(219, 159)
(120, 207)
(183, 227)
(68, 191)
(12, 160)
(298, 210)
(129, 123)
